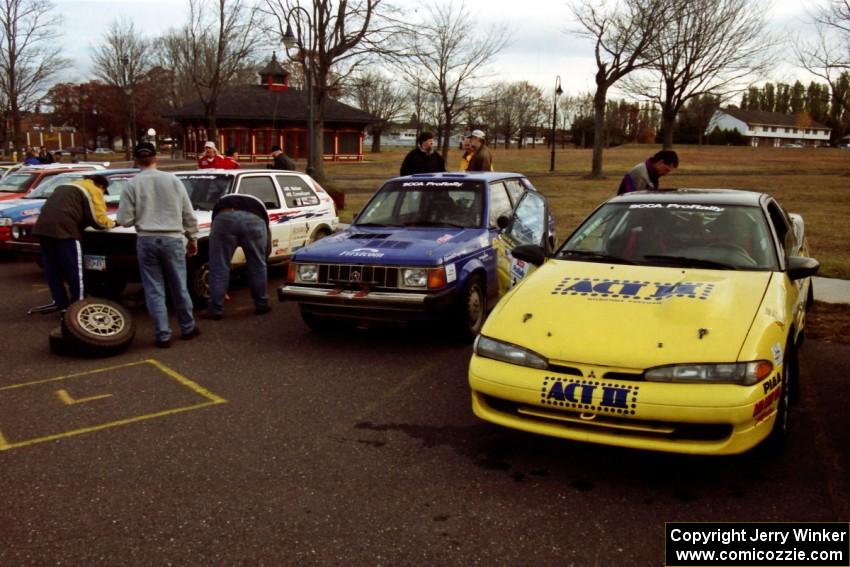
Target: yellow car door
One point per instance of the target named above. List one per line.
(528, 224)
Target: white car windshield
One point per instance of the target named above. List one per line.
(675, 234)
(205, 190)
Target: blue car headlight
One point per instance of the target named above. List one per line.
(507, 352)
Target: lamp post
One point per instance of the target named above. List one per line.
(83, 127)
(558, 92)
(128, 90)
(290, 41)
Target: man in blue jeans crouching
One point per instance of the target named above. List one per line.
(239, 220)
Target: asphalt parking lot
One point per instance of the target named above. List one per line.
(263, 443)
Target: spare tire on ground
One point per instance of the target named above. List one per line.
(96, 326)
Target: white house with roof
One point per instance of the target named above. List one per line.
(771, 128)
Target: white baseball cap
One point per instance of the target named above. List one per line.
(478, 134)
(210, 144)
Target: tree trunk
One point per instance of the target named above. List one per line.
(598, 129)
(376, 141)
(668, 117)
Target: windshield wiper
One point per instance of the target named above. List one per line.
(688, 262)
(433, 223)
(374, 224)
(595, 256)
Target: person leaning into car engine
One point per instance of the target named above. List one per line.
(239, 220)
(65, 214)
(646, 175)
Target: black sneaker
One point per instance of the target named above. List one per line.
(191, 334)
(163, 343)
(262, 309)
(44, 309)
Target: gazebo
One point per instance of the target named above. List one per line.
(253, 118)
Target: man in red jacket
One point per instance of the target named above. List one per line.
(211, 159)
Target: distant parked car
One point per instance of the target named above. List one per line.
(792, 145)
(17, 184)
(102, 151)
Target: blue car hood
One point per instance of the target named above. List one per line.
(395, 246)
(18, 209)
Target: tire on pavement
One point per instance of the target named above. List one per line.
(470, 311)
(99, 326)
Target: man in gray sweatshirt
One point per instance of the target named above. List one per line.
(157, 205)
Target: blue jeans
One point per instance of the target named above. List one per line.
(229, 230)
(162, 261)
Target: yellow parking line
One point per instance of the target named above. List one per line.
(75, 375)
(4, 446)
(197, 388)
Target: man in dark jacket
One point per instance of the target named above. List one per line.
(481, 159)
(239, 220)
(280, 160)
(64, 216)
(423, 158)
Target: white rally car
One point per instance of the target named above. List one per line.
(300, 212)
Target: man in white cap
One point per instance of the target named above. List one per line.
(481, 159)
(211, 159)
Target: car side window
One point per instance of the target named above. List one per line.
(261, 187)
(783, 229)
(529, 220)
(515, 189)
(500, 203)
(296, 192)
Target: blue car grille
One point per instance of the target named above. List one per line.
(358, 275)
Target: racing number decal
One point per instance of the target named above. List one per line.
(589, 395)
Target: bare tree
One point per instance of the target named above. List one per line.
(448, 53)
(827, 54)
(336, 40)
(121, 61)
(29, 55)
(622, 32)
(213, 49)
(704, 47)
(380, 97)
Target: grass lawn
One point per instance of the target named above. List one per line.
(812, 182)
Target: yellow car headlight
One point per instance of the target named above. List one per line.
(743, 373)
(507, 352)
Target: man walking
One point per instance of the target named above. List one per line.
(66, 213)
(280, 160)
(157, 205)
(646, 175)
(481, 159)
(423, 158)
(239, 220)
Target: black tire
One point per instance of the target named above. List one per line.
(317, 322)
(59, 344)
(320, 234)
(198, 281)
(470, 310)
(109, 287)
(776, 440)
(98, 324)
(810, 297)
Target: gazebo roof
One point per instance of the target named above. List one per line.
(257, 102)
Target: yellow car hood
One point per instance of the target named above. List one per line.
(630, 316)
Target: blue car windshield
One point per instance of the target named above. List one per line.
(675, 234)
(413, 202)
(46, 188)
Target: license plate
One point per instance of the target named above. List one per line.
(96, 263)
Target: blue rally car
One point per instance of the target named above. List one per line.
(427, 247)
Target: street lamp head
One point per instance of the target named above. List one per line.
(289, 39)
(558, 90)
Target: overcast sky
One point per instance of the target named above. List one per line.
(539, 50)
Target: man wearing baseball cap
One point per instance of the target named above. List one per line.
(157, 205)
(211, 159)
(481, 159)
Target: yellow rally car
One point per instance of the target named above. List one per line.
(667, 321)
